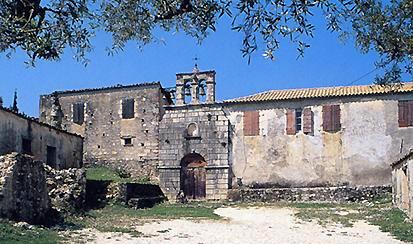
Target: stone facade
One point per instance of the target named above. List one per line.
(111, 139)
(335, 137)
(402, 176)
(45, 143)
(210, 139)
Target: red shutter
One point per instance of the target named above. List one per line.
(251, 123)
(290, 122)
(327, 118)
(308, 121)
(403, 113)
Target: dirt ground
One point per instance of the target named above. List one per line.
(244, 225)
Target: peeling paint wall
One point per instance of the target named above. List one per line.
(104, 128)
(359, 154)
(15, 128)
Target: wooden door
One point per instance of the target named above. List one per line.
(194, 182)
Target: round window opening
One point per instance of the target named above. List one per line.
(192, 130)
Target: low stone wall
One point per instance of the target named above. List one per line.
(23, 190)
(67, 189)
(316, 194)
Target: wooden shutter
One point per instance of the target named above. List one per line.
(405, 113)
(251, 123)
(308, 121)
(128, 108)
(290, 122)
(331, 118)
(336, 111)
(327, 118)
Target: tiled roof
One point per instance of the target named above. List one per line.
(325, 92)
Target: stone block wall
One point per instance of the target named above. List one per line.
(201, 129)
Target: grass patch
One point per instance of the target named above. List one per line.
(107, 174)
(118, 218)
(10, 234)
(379, 213)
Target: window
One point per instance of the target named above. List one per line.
(26, 146)
(78, 113)
(298, 119)
(51, 156)
(251, 123)
(128, 108)
(405, 113)
(192, 130)
(127, 141)
(331, 118)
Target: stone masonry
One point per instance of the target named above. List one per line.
(111, 139)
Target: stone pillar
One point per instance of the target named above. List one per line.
(195, 91)
(180, 90)
(210, 84)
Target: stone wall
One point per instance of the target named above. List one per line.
(201, 129)
(403, 184)
(23, 190)
(358, 154)
(315, 194)
(67, 189)
(17, 130)
(104, 129)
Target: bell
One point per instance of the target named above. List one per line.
(202, 91)
(187, 91)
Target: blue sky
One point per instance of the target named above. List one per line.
(328, 62)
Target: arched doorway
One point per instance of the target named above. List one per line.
(193, 176)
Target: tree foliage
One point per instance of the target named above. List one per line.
(44, 28)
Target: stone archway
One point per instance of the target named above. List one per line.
(193, 176)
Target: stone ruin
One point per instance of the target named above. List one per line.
(35, 193)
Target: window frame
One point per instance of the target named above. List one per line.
(78, 113)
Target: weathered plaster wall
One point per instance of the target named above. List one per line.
(104, 128)
(359, 154)
(14, 128)
(212, 142)
(402, 176)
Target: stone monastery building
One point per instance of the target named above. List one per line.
(286, 138)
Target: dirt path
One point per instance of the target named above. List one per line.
(252, 225)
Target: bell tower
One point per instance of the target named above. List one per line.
(195, 85)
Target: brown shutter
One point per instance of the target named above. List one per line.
(410, 113)
(336, 111)
(251, 123)
(403, 114)
(308, 121)
(327, 118)
(290, 122)
(331, 118)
